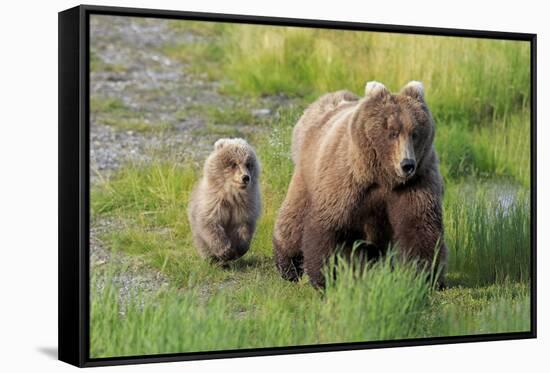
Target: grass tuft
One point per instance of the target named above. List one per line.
(381, 302)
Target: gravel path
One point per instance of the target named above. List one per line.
(153, 87)
(126, 273)
(128, 67)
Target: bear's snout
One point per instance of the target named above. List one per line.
(246, 179)
(408, 166)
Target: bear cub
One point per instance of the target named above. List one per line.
(225, 204)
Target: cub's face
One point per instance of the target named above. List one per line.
(239, 171)
(237, 163)
(400, 129)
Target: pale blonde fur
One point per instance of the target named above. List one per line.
(223, 210)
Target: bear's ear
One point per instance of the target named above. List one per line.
(374, 88)
(220, 144)
(414, 89)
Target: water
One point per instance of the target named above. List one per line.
(504, 192)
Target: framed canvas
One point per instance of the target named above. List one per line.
(235, 186)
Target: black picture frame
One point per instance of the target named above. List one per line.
(74, 221)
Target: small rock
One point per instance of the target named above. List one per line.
(261, 112)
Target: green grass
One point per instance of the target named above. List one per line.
(205, 51)
(223, 121)
(231, 114)
(234, 115)
(489, 239)
(134, 124)
(199, 28)
(499, 149)
(473, 79)
(477, 89)
(249, 305)
(467, 311)
(111, 105)
(386, 301)
(113, 112)
(98, 65)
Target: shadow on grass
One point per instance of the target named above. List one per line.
(459, 280)
(245, 264)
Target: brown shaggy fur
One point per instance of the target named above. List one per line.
(365, 169)
(225, 205)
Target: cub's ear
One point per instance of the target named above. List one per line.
(414, 89)
(220, 144)
(375, 89)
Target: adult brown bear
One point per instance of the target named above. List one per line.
(365, 169)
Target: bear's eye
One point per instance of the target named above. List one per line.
(233, 165)
(249, 165)
(394, 135)
(414, 135)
